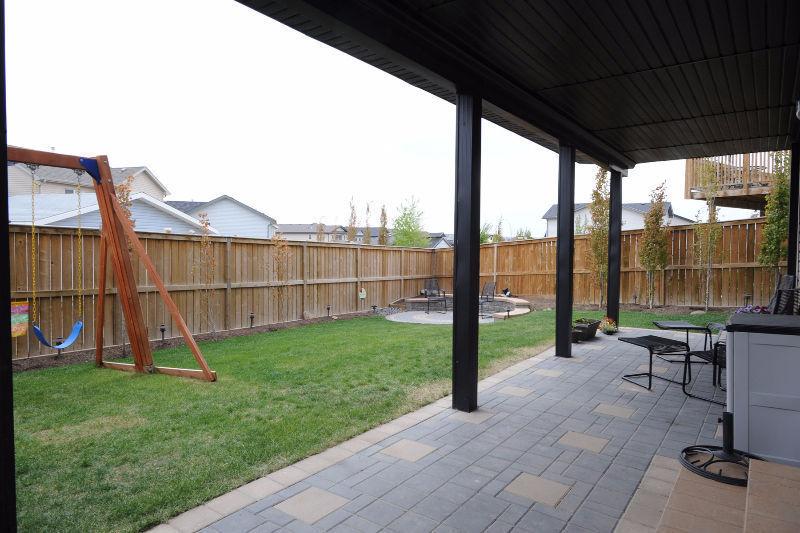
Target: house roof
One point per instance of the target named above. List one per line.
(638, 207)
(372, 231)
(68, 177)
(185, 205)
(308, 228)
(622, 82)
(192, 207)
(53, 208)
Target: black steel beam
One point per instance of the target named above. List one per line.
(794, 211)
(564, 249)
(8, 494)
(466, 256)
(614, 244)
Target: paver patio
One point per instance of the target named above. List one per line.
(558, 450)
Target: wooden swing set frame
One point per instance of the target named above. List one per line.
(116, 233)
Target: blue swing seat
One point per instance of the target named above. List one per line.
(73, 336)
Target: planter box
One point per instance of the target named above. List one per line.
(587, 329)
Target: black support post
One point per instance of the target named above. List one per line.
(614, 244)
(466, 257)
(794, 211)
(8, 495)
(564, 249)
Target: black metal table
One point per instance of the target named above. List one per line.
(654, 346)
(682, 325)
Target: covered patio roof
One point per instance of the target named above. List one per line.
(623, 82)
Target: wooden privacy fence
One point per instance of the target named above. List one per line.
(216, 285)
(219, 283)
(528, 268)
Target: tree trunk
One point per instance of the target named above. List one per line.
(708, 282)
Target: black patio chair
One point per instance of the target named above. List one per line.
(487, 295)
(434, 294)
(785, 283)
(715, 355)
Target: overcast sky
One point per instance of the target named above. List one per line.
(217, 99)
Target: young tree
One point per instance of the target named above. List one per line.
(280, 267)
(351, 226)
(320, 231)
(367, 229)
(708, 233)
(597, 231)
(486, 233)
(524, 234)
(408, 230)
(123, 191)
(776, 225)
(653, 249)
(581, 225)
(383, 231)
(498, 233)
(207, 267)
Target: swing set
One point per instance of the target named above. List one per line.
(115, 235)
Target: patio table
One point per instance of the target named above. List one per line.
(681, 325)
(654, 345)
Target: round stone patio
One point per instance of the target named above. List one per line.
(434, 317)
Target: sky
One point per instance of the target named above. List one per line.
(217, 99)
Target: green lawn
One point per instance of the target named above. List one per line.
(644, 319)
(99, 450)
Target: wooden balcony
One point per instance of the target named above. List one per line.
(745, 179)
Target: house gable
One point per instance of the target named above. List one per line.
(233, 218)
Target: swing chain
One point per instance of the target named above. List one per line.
(34, 255)
(78, 174)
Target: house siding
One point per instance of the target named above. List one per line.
(233, 220)
(146, 217)
(19, 183)
(631, 220)
(142, 182)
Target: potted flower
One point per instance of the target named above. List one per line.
(608, 326)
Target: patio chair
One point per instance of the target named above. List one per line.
(487, 295)
(434, 294)
(715, 355)
(786, 282)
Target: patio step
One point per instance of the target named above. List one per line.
(697, 504)
(644, 511)
(773, 498)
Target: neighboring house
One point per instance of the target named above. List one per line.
(61, 210)
(332, 233)
(308, 232)
(440, 240)
(230, 217)
(632, 217)
(54, 180)
(374, 233)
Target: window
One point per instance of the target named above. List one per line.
(69, 191)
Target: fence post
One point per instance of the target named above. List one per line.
(494, 266)
(402, 274)
(358, 277)
(305, 281)
(228, 287)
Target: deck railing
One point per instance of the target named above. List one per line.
(738, 175)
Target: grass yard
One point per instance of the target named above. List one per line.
(99, 450)
(644, 319)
